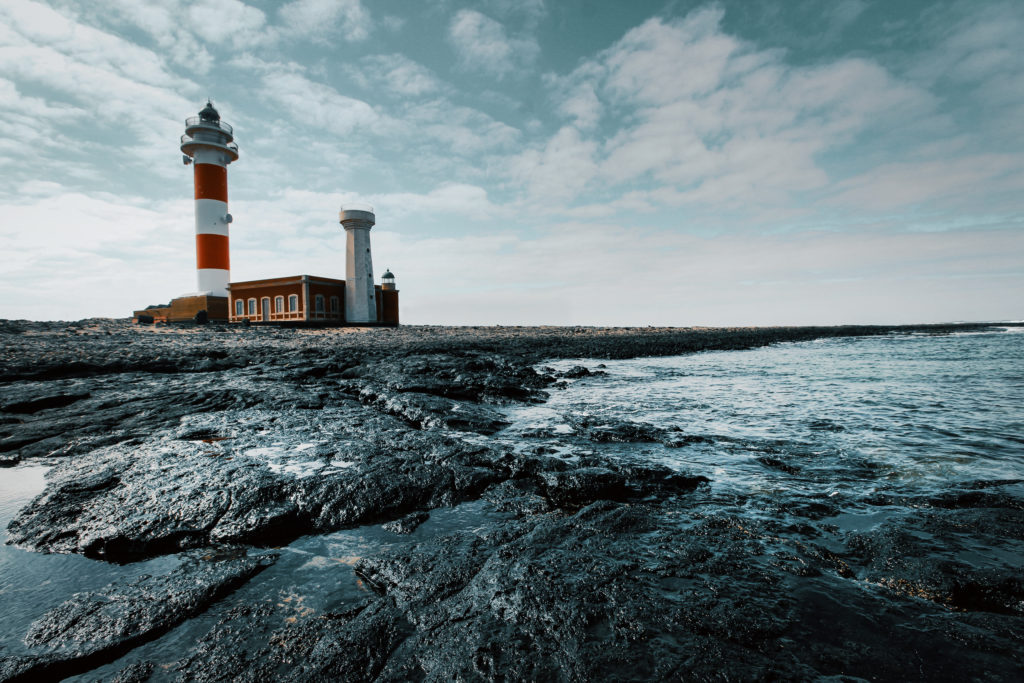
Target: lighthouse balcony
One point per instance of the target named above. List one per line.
(194, 123)
(189, 143)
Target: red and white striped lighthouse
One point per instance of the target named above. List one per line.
(209, 143)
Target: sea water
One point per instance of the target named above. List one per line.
(899, 414)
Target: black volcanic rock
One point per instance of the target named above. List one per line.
(407, 524)
(98, 626)
(427, 411)
(582, 567)
(126, 502)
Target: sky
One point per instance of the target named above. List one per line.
(530, 161)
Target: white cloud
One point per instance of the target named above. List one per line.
(347, 20)
(317, 104)
(482, 44)
(25, 108)
(560, 170)
(529, 12)
(227, 21)
(119, 85)
(711, 119)
(395, 73)
(451, 199)
(977, 52)
(34, 25)
(932, 183)
(561, 277)
(162, 19)
(448, 129)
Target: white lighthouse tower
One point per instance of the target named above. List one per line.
(360, 296)
(209, 143)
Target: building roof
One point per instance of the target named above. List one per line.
(289, 280)
(209, 113)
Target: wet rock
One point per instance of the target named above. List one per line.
(615, 431)
(612, 613)
(582, 486)
(477, 377)
(578, 371)
(124, 503)
(520, 496)
(407, 524)
(428, 411)
(353, 644)
(137, 672)
(95, 627)
(914, 556)
(42, 403)
(778, 464)
(676, 439)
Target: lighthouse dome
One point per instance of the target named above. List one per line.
(208, 113)
(388, 275)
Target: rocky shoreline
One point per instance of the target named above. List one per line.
(218, 443)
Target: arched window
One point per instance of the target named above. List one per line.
(334, 304)
(279, 304)
(252, 306)
(293, 303)
(239, 307)
(319, 301)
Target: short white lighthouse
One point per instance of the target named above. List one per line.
(360, 295)
(209, 143)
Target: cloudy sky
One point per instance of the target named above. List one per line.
(530, 161)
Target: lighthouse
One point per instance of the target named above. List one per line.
(360, 293)
(208, 144)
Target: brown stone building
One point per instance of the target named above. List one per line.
(304, 299)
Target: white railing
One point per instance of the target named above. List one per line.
(357, 206)
(199, 121)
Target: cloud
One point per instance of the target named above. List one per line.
(706, 118)
(976, 59)
(528, 12)
(348, 20)
(319, 105)
(220, 21)
(124, 252)
(483, 45)
(33, 109)
(447, 200)
(448, 129)
(34, 25)
(933, 183)
(560, 170)
(123, 88)
(814, 277)
(120, 253)
(395, 73)
(161, 19)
